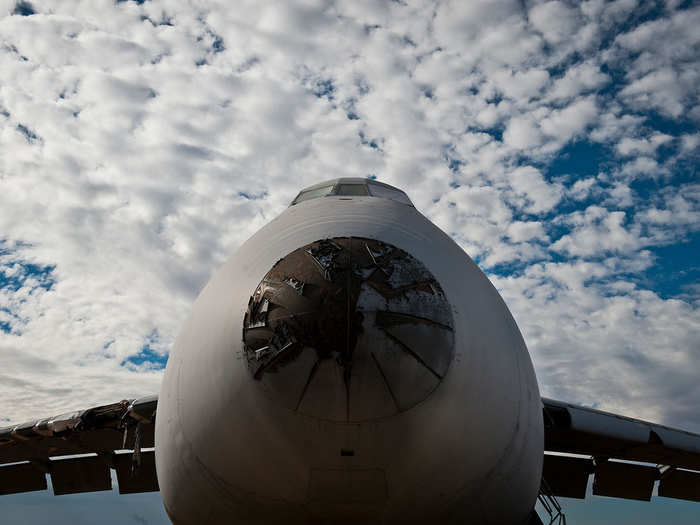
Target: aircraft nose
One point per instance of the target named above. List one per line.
(348, 329)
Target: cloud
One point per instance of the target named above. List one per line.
(565, 124)
(601, 339)
(149, 140)
(523, 133)
(641, 167)
(546, 130)
(690, 143)
(555, 20)
(521, 85)
(597, 230)
(486, 31)
(662, 89)
(520, 231)
(535, 194)
(578, 79)
(630, 146)
(678, 207)
(664, 64)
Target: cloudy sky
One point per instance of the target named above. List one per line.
(142, 142)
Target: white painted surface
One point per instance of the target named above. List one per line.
(471, 452)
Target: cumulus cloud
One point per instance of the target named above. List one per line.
(648, 146)
(535, 194)
(555, 20)
(523, 133)
(597, 230)
(547, 130)
(520, 85)
(578, 79)
(595, 330)
(569, 122)
(663, 71)
(144, 142)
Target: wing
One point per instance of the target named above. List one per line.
(626, 456)
(77, 450)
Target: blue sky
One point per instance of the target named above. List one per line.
(557, 142)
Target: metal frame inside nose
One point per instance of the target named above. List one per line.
(358, 308)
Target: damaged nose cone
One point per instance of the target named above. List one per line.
(348, 329)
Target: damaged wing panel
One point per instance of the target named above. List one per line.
(32, 450)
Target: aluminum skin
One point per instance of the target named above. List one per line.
(469, 449)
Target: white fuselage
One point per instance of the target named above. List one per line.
(470, 452)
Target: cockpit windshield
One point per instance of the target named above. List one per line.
(313, 193)
(353, 188)
(387, 192)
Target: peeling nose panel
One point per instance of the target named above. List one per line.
(348, 329)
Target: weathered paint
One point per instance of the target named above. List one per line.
(229, 452)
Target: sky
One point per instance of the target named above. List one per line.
(141, 142)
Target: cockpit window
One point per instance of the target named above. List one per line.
(377, 190)
(351, 189)
(313, 193)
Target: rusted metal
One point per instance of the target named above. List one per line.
(93, 430)
(316, 303)
(35, 445)
(144, 409)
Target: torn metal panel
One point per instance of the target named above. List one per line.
(100, 430)
(624, 480)
(324, 254)
(24, 477)
(257, 316)
(324, 297)
(96, 429)
(5, 435)
(297, 285)
(567, 476)
(62, 423)
(144, 409)
(24, 431)
(87, 474)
